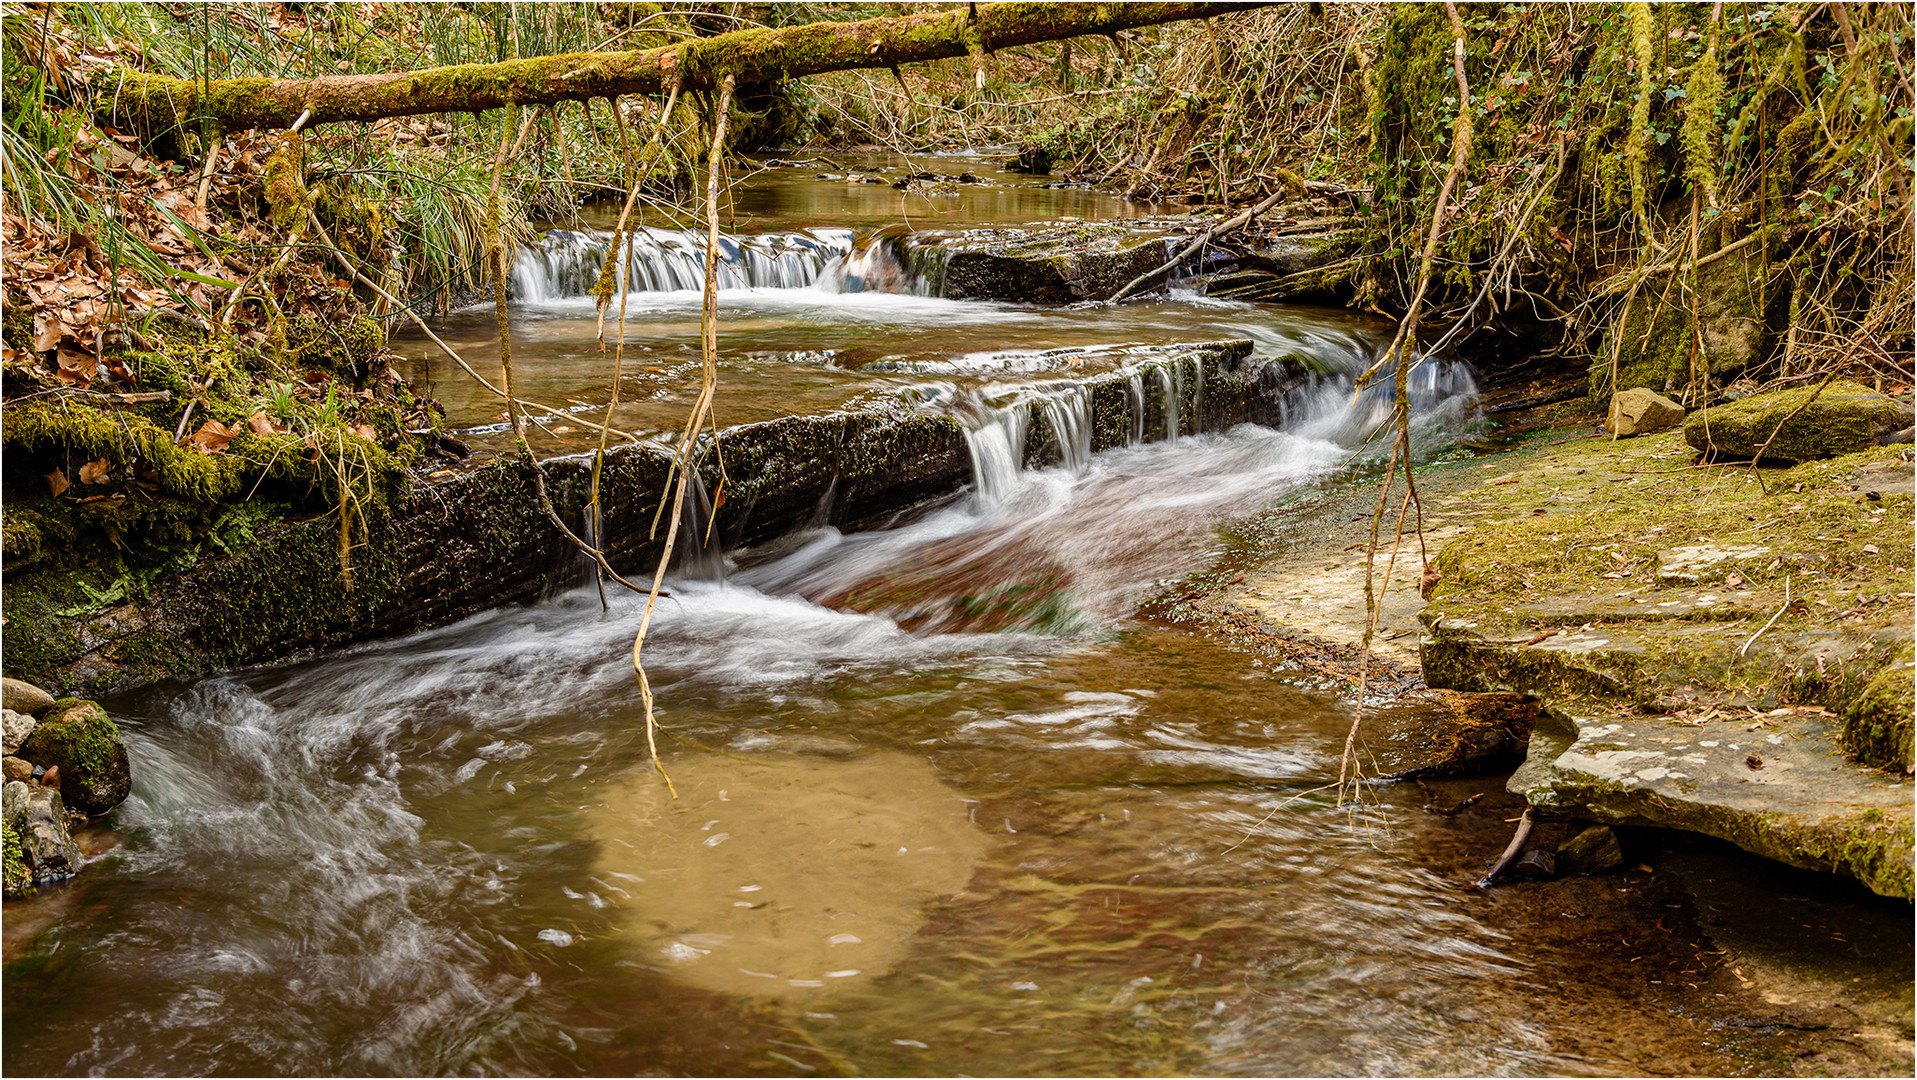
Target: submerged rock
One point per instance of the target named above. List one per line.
(1642, 411)
(24, 697)
(1592, 851)
(84, 744)
(1798, 425)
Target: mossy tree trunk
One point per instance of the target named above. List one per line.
(158, 104)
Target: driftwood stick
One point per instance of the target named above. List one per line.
(1773, 622)
(1510, 852)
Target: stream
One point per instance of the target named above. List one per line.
(947, 802)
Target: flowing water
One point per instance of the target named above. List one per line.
(945, 804)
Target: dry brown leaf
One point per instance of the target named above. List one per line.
(1428, 580)
(365, 431)
(1870, 549)
(57, 482)
(77, 366)
(46, 331)
(212, 438)
(95, 471)
(262, 424)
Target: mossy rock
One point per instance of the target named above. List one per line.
(82, 741)
(1045, 266)
(1841, 419)
(1878, 722)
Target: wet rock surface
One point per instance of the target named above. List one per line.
(478, 540)
(45, 836)
(1041, 266)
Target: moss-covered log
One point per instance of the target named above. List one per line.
(155, 104)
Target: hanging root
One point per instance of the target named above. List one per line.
(688, 442)
(1350, 770)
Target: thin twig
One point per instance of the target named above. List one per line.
(1773, 620)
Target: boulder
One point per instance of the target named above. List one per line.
(1642, 411)
(24, 697)
(14, 768)
(45, 839)
(15, 727)
(1593, 850)
(1802, 424)
(1058, 265)
(82, 742)
(1658, 345)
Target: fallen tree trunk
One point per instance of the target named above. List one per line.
(157, 104)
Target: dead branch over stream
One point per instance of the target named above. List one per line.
(159, 103)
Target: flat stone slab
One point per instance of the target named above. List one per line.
(1711, 646)
(1704, 562)
(1775, 785)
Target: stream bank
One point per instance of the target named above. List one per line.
(1571, 574)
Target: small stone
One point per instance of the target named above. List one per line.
(1593, 850)
(1642, 411)
(13, 768)
(24, 697)
(15, 727)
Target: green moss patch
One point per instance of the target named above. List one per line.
(1803, 424)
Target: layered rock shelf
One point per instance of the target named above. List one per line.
(478, 539)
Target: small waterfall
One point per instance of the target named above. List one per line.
(1135, 391)
(1197, 394)
(1169, 393)
(697, 555)
(998, 451)
(566, 263)
(1068, 413)
(889, 261)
